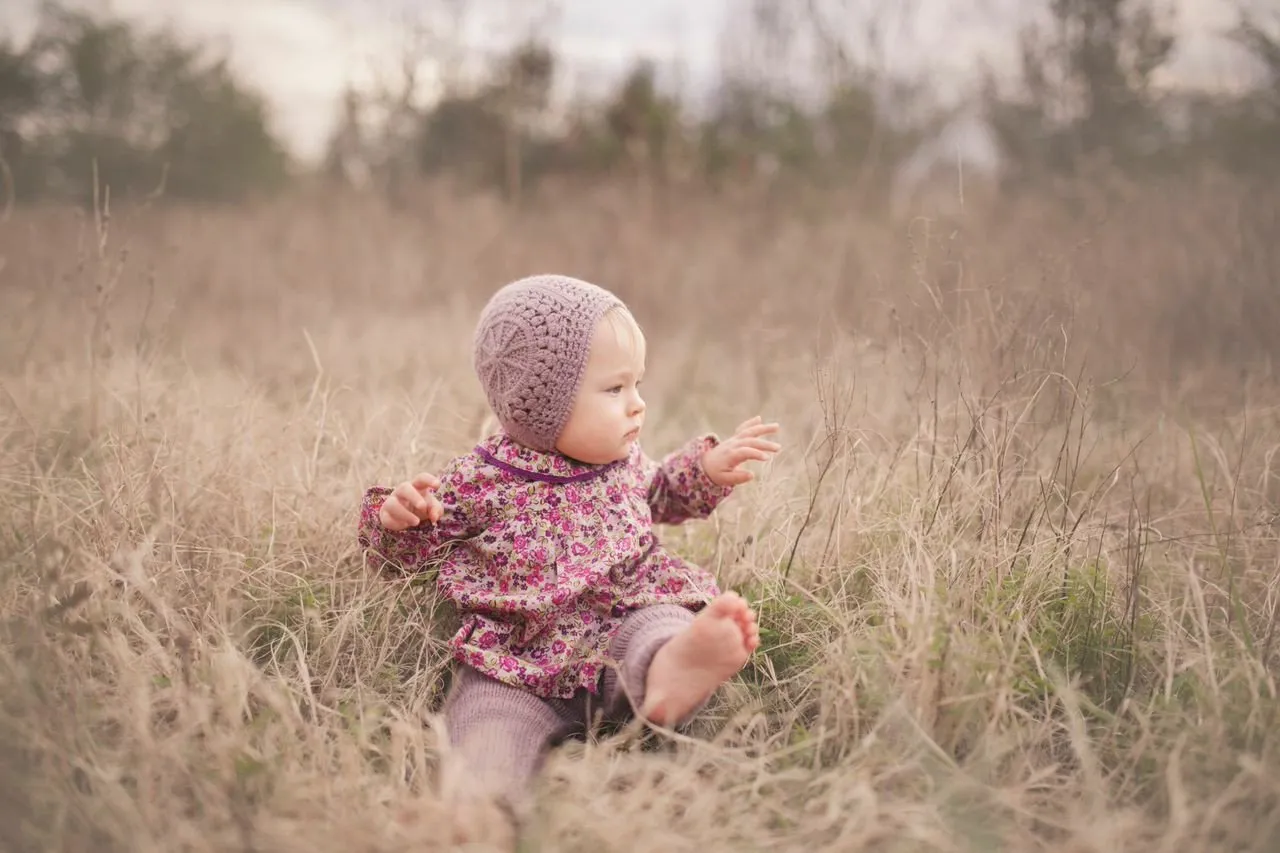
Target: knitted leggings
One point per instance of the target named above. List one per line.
(501, 734)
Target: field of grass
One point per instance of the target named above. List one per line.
(1016, 566)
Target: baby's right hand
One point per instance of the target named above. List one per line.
(411, 503)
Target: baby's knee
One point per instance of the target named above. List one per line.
(476, 698)
(497, 729)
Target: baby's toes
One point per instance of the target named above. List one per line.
(728, 605)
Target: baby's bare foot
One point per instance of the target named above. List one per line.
(696, 661)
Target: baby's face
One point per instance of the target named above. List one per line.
(608, 412)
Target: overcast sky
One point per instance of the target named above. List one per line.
(301, 53)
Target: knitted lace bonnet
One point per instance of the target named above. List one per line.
(530, 351)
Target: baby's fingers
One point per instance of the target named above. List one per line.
(435, 509)
(736, 477)
(413, 500)
(742, 453)
(755, 429)
(425, 481)
(394, 516)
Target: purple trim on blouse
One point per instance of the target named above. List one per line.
(545, 478)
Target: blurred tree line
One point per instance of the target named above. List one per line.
(1089, 96)
(92, 97)
(89, 98)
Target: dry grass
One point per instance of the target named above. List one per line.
(1016, 566)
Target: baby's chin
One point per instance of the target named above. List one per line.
(623, 453)
(624, 448)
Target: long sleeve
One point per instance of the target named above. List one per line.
(411, 551)
(678, 488)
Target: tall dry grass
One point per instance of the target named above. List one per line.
(1015, 567)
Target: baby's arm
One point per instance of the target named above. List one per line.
(678, 487)
(410, 550)
(692, 481)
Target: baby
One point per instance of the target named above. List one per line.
(542, 537)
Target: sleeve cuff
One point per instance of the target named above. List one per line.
(702, 494)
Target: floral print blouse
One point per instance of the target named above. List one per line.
(543, 556)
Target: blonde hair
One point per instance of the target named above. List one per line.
(624, 325)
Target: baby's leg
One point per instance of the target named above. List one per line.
(499, 736)
(670, 661)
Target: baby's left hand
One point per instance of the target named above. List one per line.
(747, 443)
